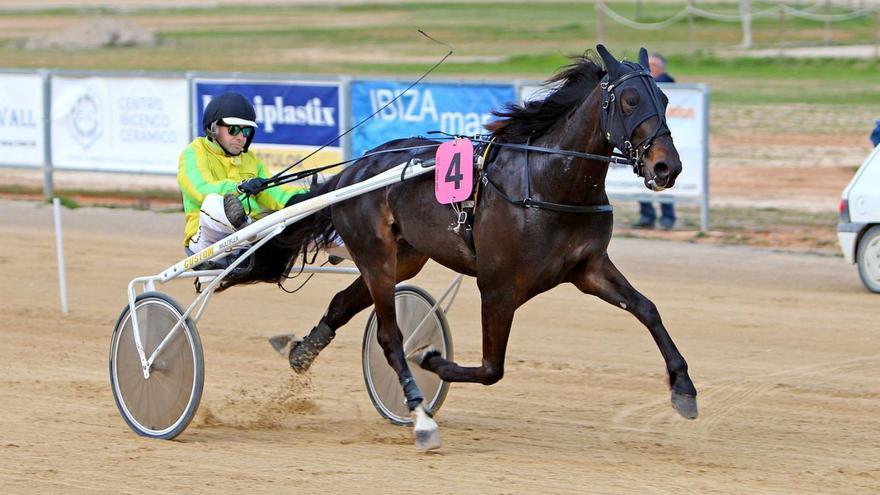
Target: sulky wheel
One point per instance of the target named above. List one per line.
(412, 305)
(162, 405)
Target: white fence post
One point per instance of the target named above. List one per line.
(48, 178)
(59, 244)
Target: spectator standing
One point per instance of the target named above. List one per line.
(875, 134)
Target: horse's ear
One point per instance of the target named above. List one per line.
(643, 58)
(611, 63)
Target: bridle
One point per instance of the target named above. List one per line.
(618, 127)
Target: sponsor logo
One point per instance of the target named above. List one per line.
(229, 241)
(312, 113)
(144, 119)
(276, 112)
(420, 106)
(679, 112)
(198, 258)
(17, 117)
(85, 121)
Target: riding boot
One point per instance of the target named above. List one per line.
(234, 211)
(305, 351)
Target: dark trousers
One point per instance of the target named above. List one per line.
(647, 212)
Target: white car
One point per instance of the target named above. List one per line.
(859, 229)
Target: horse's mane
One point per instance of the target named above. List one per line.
(534, 118)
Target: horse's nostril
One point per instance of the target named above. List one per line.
(661, 170)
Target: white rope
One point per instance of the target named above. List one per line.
(828, 17)
(771, 12)
(641, 25)
(819, 4)
(766, 13)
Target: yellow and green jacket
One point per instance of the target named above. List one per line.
(205, 168)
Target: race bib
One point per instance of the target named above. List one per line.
(454, 171)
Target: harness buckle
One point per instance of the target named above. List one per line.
(462, 220)
(607, 103)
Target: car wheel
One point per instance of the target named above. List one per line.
(868, 259)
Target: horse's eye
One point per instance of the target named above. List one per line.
(629, 99)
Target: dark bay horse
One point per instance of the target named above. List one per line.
(518, 252)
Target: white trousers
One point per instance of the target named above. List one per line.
(213, 224)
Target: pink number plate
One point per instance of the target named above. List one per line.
(454, 171)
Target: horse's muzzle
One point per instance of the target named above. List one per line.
(662, 177)
(661, 172)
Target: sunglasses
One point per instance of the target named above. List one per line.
(235, 130)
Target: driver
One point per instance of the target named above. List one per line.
(215, 170)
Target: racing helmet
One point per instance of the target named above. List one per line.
(231, 109)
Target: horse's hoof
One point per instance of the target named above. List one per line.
(300, 356)
(427, 440)
(426, 430)
(421, 355)
(686, 405)
(283, 343)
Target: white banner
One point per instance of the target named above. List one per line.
(687, 117)
(21, 120)
(119, 124)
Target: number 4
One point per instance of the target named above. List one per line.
(453, 173)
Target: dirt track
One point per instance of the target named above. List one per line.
(782, 347)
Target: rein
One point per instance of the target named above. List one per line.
(285, 179)
(618, 159)
(529, 201)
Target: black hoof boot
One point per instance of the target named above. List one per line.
(305, 351)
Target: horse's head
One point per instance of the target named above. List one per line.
(633, 119)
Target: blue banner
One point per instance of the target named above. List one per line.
(287, 113)
(449, 107)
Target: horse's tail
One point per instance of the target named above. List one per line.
(298, 243)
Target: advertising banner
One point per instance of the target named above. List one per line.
(687, 117)
(293, 118)
(454, 108)
(119, 124)
(22, 142)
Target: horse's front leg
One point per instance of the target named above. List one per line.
(604, 280)
(498, 306)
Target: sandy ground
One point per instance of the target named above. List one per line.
(782, 347)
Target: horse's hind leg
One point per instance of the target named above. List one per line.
(343, 307)
(604, 280)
